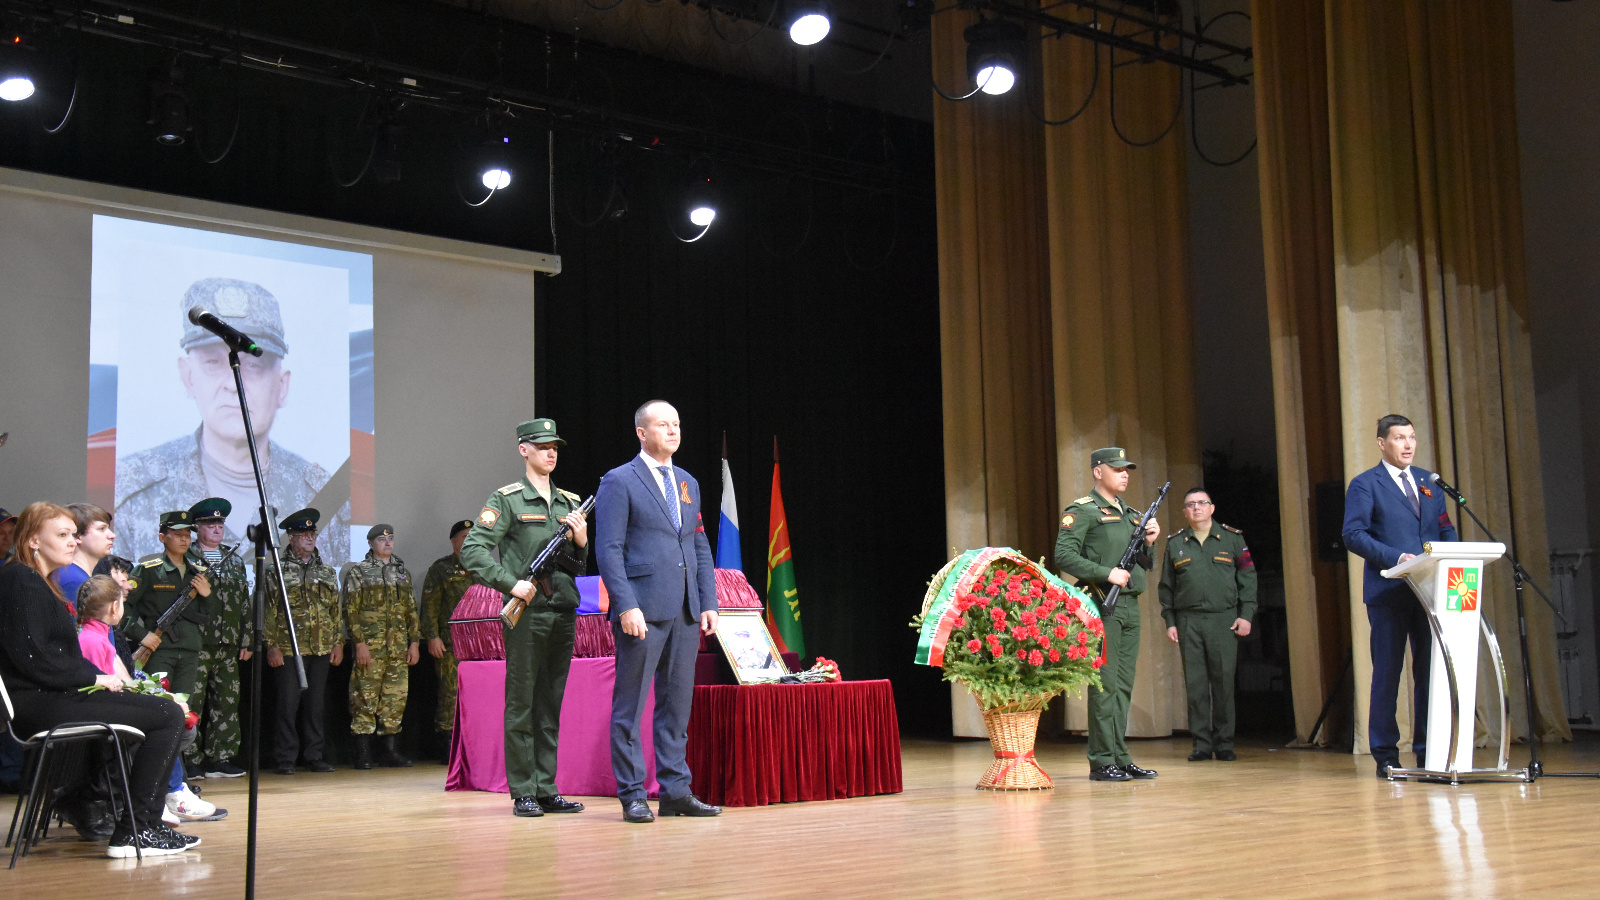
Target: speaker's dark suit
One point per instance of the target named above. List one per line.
(1379, 525)
(667, 573)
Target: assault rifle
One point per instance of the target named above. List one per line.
(179, 605)
(540, 570)
(1110, 601)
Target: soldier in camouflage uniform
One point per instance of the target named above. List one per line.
(381, 612)
(225, 642)
(442, 588)
(319, 626)
(214, 460)
(159, 582)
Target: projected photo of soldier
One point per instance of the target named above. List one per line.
(214, 459)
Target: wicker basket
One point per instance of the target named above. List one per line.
(1011, 733)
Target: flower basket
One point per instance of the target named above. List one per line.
(1014, 635)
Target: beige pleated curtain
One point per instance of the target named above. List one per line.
(1417, 218)
(1065, 314)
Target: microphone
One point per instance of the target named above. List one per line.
(237, 341)
(1445, 486)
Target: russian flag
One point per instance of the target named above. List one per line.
(728, 553)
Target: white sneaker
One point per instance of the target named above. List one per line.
(185, 805)
(168, 818)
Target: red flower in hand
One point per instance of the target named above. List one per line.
(1035, 658)
(165, 686)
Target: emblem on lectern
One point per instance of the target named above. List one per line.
(1461, 589)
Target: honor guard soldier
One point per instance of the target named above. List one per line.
(518, 520)
(1095, 531)
(319, 626)
(161, 579)
(442, 587)
(1208, 596)
(381, 612)
(224, 644)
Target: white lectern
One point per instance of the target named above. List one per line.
(1448, 579)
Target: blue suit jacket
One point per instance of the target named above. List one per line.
(647, 564)
(1379, 526)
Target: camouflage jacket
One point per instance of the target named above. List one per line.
(380, 607)
(442, 588)
(231, 618)
(314, 602)
(169, 476)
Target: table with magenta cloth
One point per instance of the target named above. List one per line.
(751, 745)
(583, 756)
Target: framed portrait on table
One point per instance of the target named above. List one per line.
(748, 646)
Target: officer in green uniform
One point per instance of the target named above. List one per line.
(1208, 596)
(1095, 530)
(161, 579)
(225, 643)
(381, 610)
(442, 587)
(518, 520)
(319, 628)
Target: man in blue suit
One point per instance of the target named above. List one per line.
(1390, 511)
(656, 563)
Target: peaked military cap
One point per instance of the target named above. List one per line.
(245, 305)
(1115, 457)
(378, 531)
(459, 527)
(211, 509)
(539, 431)
(300, 522)
(178, 518)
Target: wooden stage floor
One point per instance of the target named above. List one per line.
(1277, 823)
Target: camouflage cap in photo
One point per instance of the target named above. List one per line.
(245, 305)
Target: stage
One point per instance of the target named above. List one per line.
(1278, 823)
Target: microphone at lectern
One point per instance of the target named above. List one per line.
(1445, 486)
(237, 341)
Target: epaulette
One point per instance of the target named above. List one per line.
(571, 497)
(514, 487)
(1230, 528)
(1088, 499)
(150, 563)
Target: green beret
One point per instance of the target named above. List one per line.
(301, 522)
(539, 431)
(178, 518)
(1115, 457)
(378, 531)
(210, 509)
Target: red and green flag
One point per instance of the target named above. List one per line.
(783, 600)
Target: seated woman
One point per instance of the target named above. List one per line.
(44, 672)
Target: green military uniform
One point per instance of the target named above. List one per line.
(442, 587)
(216, 693)
(518, 521)
(1095, 530)
(319, 625)
(1206, 585)
(381, 612)
(159, 583)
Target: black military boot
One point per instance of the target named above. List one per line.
(363, 751)
(391, 757)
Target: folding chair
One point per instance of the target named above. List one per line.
(30, 821)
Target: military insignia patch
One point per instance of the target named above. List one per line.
(488, 517)
(133, 584)
(1068, 519)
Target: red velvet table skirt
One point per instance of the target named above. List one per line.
(751, 745)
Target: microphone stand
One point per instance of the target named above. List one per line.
(264, 535)
(1520, 577)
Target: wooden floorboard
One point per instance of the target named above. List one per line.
(1277, 823)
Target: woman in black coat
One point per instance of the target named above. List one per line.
(44, 672)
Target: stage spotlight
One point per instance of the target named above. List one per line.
(496, 169)
(16, 70)
(702, 216)
(809, 24)
(169, 108)
(994, 54)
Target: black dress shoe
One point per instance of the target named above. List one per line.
(1383, 767)
(1107, 773)
(1201, 756)
(1227, 755)
(1137, 772)
(526, 807)
(559, 804)
(687, 805)
(318, 765)
(637, 812)
(286, 770)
